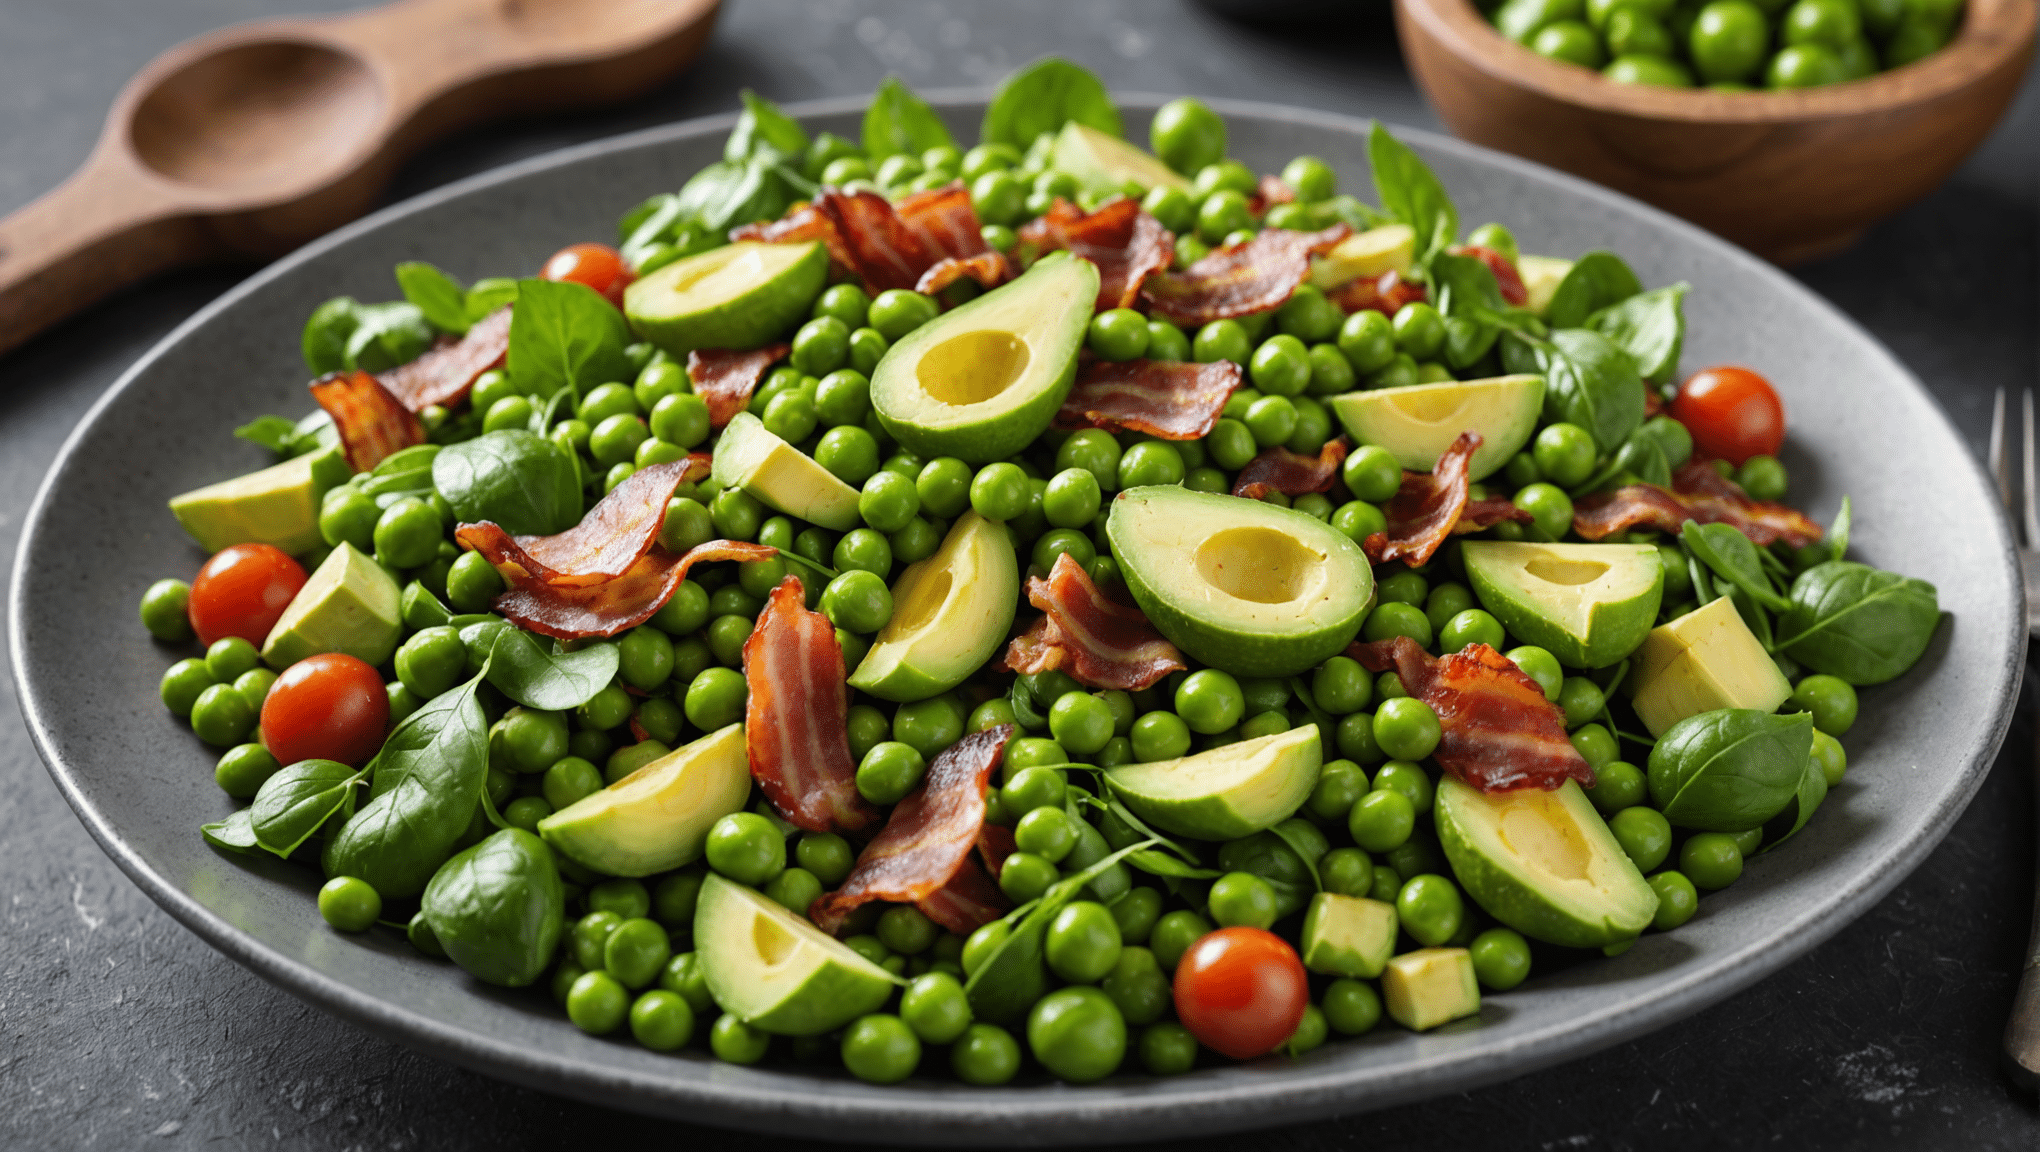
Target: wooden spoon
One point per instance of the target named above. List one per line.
(249, 141)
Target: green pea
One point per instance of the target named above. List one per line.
(1281, 366)
(1072, 498)
(999, 491)
(928, 726)
(1346, 871)
(1049, 833)
(1271, 420)
(1828, 753)
(1710, 860)
(1581, 699)
(1372, 473)
(472, 583)
(1393, 618)
(1472, 626)
(1419, 330)
(899, 311)
(990, 714)
(716, 699)
(1242, 898)
(857, 601)
(1400, 372)
(865, 727)
(1093, 450)
(735, 1042)
(1077, 1034)
(1166, 341)
(1173, 935)
(1136, 912)
(1407, 778)
(1430, 909)
(528, 740)
(636, 952)
(569, 779)
(1060, 542)
(407, 534)
(1118, 334)
(349, 904)
(935, 1008)
(1382, 820)
(1032, 787)
(1221, 340)
(1171, 207)
(790, 416)
(1024, 876)
(1083, 944)
(745, 847)
(616, 439)
(1678, 900)
(662, 1021)
(1831, 699)
(795, 889)
(509, 412)
(1564, 453)
(221, 716)
(255, 683)
(1645, 835)
(630, 758)
(736, 514)
(865, 550)
(1617, 785)
(1550, 509)
(1596, 745)
(165, 609)
(1389, 686)
(647, 657)
(1351, 1007)
(606, 400)
(1501, 958)
(1210, 701)
(985, 1055)
(1540, 666)
(889, 771)
(821, 346)
(227, 658)
(1230, 444)
(243, 769)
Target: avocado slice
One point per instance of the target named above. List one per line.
(1541, 277)
(1429, 987)
(1588, 604)
(1225, 793)
(1348, 935)
(657, 817)
(1102, 162)
(748, 456)
(350, 604)
(742, 295)
(1704, 660)
(775, 971)
(278, 505)
(951, 612)
(1389, 248)
(981, 381)
(1241, 585)
(1418, 422)
(1544, 863)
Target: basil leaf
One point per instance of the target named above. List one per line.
(1650, 327)
(1729, 770)
(899, 121)
(525, 671)
(488, 295)
(234, 834)
(565, 334)
(1860, 623)
(297, 801)
(497, 908)
(1595, 281)
(1723, 548)
(1008, 983)
(272, 432)
(439, 296)
(654, 227)
(762, 128)
(1044, 96)
(1410, 192)
(1587, 381)
(523, 482)
(387, 335)
(1469, 299)
(1838, 532)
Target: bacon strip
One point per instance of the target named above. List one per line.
(1279, 470)
(987, 268)
(926, 843)
(1499, 732)
(444, 373)
(967, 903)
(614, 605)
(1506, 276)
(888, 246)
(795, 721)
(1386, 294)
(994, 844)
(1251, 277)
(1429, 506)
(725, 380)
(1698, 493)
(1126, 244)
(371, 422)
(1100, 643)
(1169, 399)
(607, 541)
(1273, 190)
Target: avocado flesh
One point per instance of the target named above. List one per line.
(1541, 278)
(278, 505)
(1225, 793)
(775, 971)
(742, 295)
(1365, 255)
(748, 456)
(1429, 987)
(1102, 162)
(1348, 935)
(983, 380)
(1544, 863)
(1241, 585)
(657, 817)
(350, 604)
(1590, 605)
(1705, 660)
(951, 613)
(1418, 422)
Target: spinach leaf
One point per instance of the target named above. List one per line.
(763, 129)
(565, 334)
(426, 783)
(1008, 983)
(1838, 532)
(386, 335)
(543, 416)
(1587, 381)
(298, 800)
(1410, 192)
(234, 834)
(439, 296)
(1723, 548)
(1753, 614)
(1469, 299)
(324, 340)
(523, 482)
(1025, 714)
(1813, 788)
(652, 228)
(1671, 438)
(1650, 327)
(489, 294)
(420, 609)
(527, 672)
(1044, 96)
(899, 121)
(1704, 592)
(272, 432)
(1270, 857)
(1162, 864)
(1345, 209)
(1298, 836)
(497, 907)
(1595, 281)
(1729, 770)
(1860, 623)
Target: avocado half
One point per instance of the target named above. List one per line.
(1417, 423)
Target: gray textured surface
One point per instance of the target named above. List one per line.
(118, 1024)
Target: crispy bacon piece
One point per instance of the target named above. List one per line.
(926, 842)
(725, 380)
(994, 844)
(1699, 493)
(1169, 399)
(967, 903)
(1273, 190)
(1429, 507)
(614, 605)
(1499, 732)
(607, 541)
(888, 246)
(1278, 469)
(1506, 276)
(1251, 277)
(445, 372)
(987, 268)
(1100, 643)
(371, 422)
(795, 721)
(1386, 294)
(1126, 244)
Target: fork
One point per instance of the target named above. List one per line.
(2022, 1031)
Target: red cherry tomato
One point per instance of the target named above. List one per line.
(1506, 276)
(326, 707)
(597, 265)
(1241, 991)
(1733, 413)
(242, 591)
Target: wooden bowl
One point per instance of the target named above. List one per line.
(1790, 175)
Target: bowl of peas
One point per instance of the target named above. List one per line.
(1787, 126)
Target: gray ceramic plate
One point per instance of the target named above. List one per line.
(99, 534)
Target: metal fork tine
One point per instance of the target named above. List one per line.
(1999, 473)
(2029, 490)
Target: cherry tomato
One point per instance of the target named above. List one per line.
(242, 591)
(597, 265)
(1506, 276)
(1241, 991)
(1733, 413)
(326, 707)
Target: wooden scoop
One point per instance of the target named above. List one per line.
(249, 141)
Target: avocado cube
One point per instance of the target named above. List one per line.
(777, 972)
(1102, 162)
(1705, 660)
(351, 604)
(1541, 277)
(1429, 987)
(278, 505)
(1348, 935)
(1590, 605)
(1368, 254)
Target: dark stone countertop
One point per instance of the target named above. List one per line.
(119, 1029)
